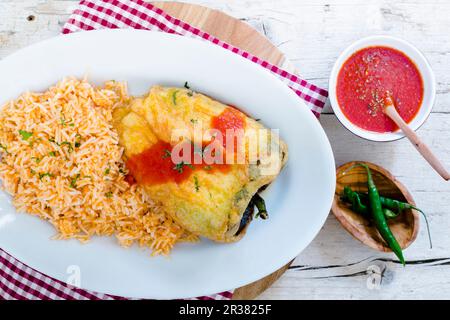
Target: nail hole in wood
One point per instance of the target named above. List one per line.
(31, 18)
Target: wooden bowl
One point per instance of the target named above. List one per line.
(404, 227)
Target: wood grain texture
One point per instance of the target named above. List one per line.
(312, 34)
(404, 227)
(255, 289)
(226, 28)
(423, 149)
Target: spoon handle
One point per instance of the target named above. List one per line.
(424, 150)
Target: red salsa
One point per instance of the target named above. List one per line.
(155, 165)
(365, 79)
(229, 119)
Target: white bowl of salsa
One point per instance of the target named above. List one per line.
(366, 72)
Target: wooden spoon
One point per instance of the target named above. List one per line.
(404, 227)
(391, 112)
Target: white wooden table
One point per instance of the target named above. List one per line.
(312, 33)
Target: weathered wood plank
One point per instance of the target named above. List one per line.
(368, 279)
(310, 33)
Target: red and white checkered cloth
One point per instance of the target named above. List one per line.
(17, 280)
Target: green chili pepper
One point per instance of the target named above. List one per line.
(353, 198)
(361, 208)
(389, 214)
(376, 211)
(359, 203)
(398, 206)
(391, 208)
(261, 206)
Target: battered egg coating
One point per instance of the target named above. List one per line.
(208, 199)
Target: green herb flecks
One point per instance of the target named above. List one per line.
(73, 181)
(37, 160)
(25, 134)
(64, 122)
(167, 154)
(107, 171)
(43, 175)
(68, 144)
(52, 153)
(180, 166)
(174, 97)
(109, 194)
(197, 185)
(64, 143)
(194, 121)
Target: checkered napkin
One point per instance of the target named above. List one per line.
(17, 280)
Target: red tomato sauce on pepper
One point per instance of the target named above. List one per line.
(365, 79)
(155, 165)
(229, 119)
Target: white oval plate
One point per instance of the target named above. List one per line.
(298, 202)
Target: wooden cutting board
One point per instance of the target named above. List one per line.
(241, 35)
